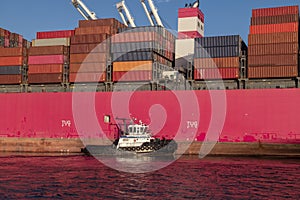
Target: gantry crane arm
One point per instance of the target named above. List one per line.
(123, 8)
(83, 10)
(152, 14)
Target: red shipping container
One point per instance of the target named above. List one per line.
(279, 19)
(274, 60)
(101, 22)
(10, 79)
(217, 73)
(11, 61)
(45, 78)
(285, 10)
(89, 39)
(273, 49)
(87, 48)
(49, 59)
(55, 34)
(275, 28)
(96, 30)
(272, 71)
(48, 50)
(88, 58)
(40, 69)
(87, 77)
(273, 38)
(87, 67)
(217, 62)
(121, 76)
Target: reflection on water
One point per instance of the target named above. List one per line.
(68, 177)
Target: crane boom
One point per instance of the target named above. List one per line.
(83, 10)
(152, 14)
(122, 7)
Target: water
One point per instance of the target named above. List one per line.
(82, 177)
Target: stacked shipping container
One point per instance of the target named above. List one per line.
(90, 47)
(274, 43)
(48, 57)
(219, 57)
(142, 54)
(13, 52)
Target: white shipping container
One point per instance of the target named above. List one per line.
(51, 42)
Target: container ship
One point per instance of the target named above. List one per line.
(65, 89)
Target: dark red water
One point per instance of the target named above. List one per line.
(81, 177)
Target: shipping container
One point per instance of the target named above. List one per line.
(218, 52)
(275, 28)
(87, 77)
(217, 73)
(133, 66)
(47, 59)
(88, 48)
(121, 76)
(279, 19)
(88, 58)
(217, 62)
(136, 37)
(89, 39)
(13, 70)
(11, 61)
(10, 79)
(132, 56)
(48, 68)
(285, 10)
(273, 38)
(273, 49)
(273, 60)
(48, 50)
(101, 22)
(220, 41)
(87, 67)
(51, 42)
(55, 34)
(12, 52)
(96, 30)
(135, 46)
(272, 71)
(44, 78)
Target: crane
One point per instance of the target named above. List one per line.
(123, 8)
(83, 10)
(152, 14)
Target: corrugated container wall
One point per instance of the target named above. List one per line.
(274, 43)
(13, 57)
(219, 57)
(133, 47)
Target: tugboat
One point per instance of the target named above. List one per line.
(135, 138)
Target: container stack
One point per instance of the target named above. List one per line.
(89, 51)
(219, 57)
(13, 52)
(48, 57)
(274, 43)
(142, 54)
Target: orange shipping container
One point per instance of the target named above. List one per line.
(87, 67)
(8, 52)
(87, 77)
(11, 61)
(274, 28)
(132, 76)
(132, 66)
(217, 62)
(88, 58)
(217, 73)
(40, 69)
(10, 79)
(272, 71)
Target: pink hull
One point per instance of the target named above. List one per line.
(269, 116)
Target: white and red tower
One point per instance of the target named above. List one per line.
(190, 26)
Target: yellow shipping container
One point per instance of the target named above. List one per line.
(132, 66)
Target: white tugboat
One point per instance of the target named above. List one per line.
(135, 138)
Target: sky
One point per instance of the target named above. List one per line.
(222, 17)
